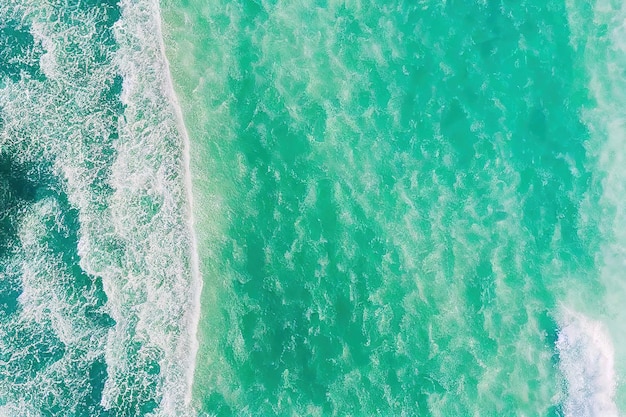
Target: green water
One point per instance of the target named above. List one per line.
(258, 208)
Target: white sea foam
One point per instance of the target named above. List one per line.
(154, 129)
(136, 227)
(196, 284)
(50, 340)
(602, 36)
(21, 409)
(587, 362)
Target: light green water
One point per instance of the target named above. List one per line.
(259, 208)
(412, 197)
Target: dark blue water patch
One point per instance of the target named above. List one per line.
(110, 13)
(17, 178)
(10, 289)
(36, 347)
(81, 289)
(53, 405)
(23, 185)
(97, 379)
(19, 54)
(17, 191)
(63, 240)
(32, 348)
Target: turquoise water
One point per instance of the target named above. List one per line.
(312, 207)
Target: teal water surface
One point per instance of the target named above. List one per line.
(312, 208)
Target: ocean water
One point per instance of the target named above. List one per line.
(312, 208)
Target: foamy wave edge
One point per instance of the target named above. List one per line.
(142, 21)
(194, 312)
(587, 362)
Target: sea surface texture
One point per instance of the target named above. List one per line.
(312, 208)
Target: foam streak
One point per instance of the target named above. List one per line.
(196, 284)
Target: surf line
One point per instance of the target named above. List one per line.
(196, 276)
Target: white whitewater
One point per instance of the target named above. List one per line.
(148, 86)
(196, 285)
(594, 350)
(587, 361)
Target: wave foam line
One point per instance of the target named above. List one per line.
(587, 362)
(598, 32)
(154, 161)
(196, 276)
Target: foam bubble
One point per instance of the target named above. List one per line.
(587, 362)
